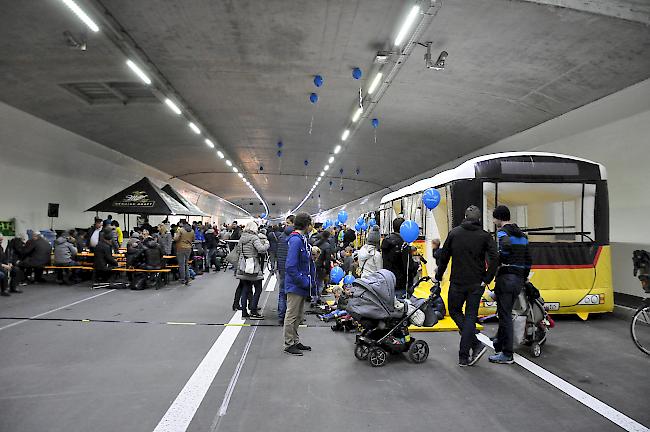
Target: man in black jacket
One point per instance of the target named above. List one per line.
(514, 266)
(36, 255)
(396, 257)
(104, 260)
(470, 247)
(210, 248)
(7, 273)
(283, 248)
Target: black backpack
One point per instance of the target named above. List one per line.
(531, 291)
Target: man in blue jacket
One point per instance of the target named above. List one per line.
(298, 283)
(283, 248)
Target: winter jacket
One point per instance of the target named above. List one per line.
(183, 238)
(64, 251)
(514, 253)
(120, 236)
(165, 242)
(301, 271)
(198, 235)
(37, 253)
(224, 234)
(133, 248)
(251, 245)
(369, 260)
(395, 258)
(469, 246)
(15, 250)
(272, 236)
(210, 239)
(283, 248)
(324, 262)
(151, 254)
(103, 257)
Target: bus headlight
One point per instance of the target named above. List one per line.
(590, 299)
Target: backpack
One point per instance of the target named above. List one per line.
(532, 293)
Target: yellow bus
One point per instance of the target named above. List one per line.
(560, 201)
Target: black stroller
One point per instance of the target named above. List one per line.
(219, 259)
(385, 320)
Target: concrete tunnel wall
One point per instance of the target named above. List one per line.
(41, 163)
(614, 131)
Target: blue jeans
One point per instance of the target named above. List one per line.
(282, 296)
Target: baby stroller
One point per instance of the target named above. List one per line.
(197, 257)
(219, 259)
(385, 320)
(530, 320)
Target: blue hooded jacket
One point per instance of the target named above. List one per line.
(301, 271)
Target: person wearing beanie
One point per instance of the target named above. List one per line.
(369, 256)
(470, 247)
(514, 266)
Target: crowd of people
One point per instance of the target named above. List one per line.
(302, 255)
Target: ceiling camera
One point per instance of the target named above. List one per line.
(75, 42)
(439, 64)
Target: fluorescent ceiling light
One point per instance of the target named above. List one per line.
(319, 178)
(326, 168)
(209, 143)
(375, 82)
(357, 114)
(410, 19)
(346, 134)
(194, 128)
(173, 106)
(331, 159)
(228, 162)
(82, 15)
(235, 169)
(220, 154)
(322, 173)
(134, 67)
(240, 175)
(337, 149)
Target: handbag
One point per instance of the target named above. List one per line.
(233, 255)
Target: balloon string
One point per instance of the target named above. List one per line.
(375, 136)
(311, 124)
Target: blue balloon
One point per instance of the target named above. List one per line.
(331, 183)
(318, 80)
(306, 162)
(360, 220)
(313, 98)
(263, 215)
(336, 274)
(348, 279)
(375, 123)
(372, 222)
(280, 144)
(431, 198)
(358, 171)
(409, 231)
(326, 224)
(261, 167)
(341, 171)
(356, 73)
(342, 216)
(279, 153)
(357, 227)
(363, 226)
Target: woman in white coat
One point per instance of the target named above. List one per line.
(370, 255)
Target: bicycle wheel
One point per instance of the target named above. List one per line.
(640, 329)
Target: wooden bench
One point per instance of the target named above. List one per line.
(55, 267)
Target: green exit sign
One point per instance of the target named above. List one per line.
(8, 228)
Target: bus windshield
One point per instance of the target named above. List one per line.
(550, 212)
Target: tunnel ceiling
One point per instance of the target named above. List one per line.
(245, 68)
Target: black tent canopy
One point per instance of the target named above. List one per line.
(142, 197)
(194, 210)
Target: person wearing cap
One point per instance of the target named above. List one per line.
(514, 267)
(470, 247)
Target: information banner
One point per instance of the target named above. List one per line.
(8, 228)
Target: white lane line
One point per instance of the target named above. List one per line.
(584, 398)
(272, 282)
(182, 410)
(54, 310)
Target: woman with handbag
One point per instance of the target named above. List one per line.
(249, 269)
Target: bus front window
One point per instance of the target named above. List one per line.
(549, 212)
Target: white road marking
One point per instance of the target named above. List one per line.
(182, 410)
(54, 310)
(584, 398)
(272, 283)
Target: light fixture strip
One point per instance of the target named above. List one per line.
(173, 106)
(408, 23)
(139, 72)
(375, 82)
(83, 16)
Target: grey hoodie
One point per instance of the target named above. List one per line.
(63, 251)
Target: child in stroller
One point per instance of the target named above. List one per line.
(385, 319)
(530, 320)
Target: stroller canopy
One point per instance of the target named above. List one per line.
(373, 297)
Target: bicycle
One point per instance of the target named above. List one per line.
(640, 325)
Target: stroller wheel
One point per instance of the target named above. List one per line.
(377, 357)
(419, 351)
(536, 349)
(361, 351)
